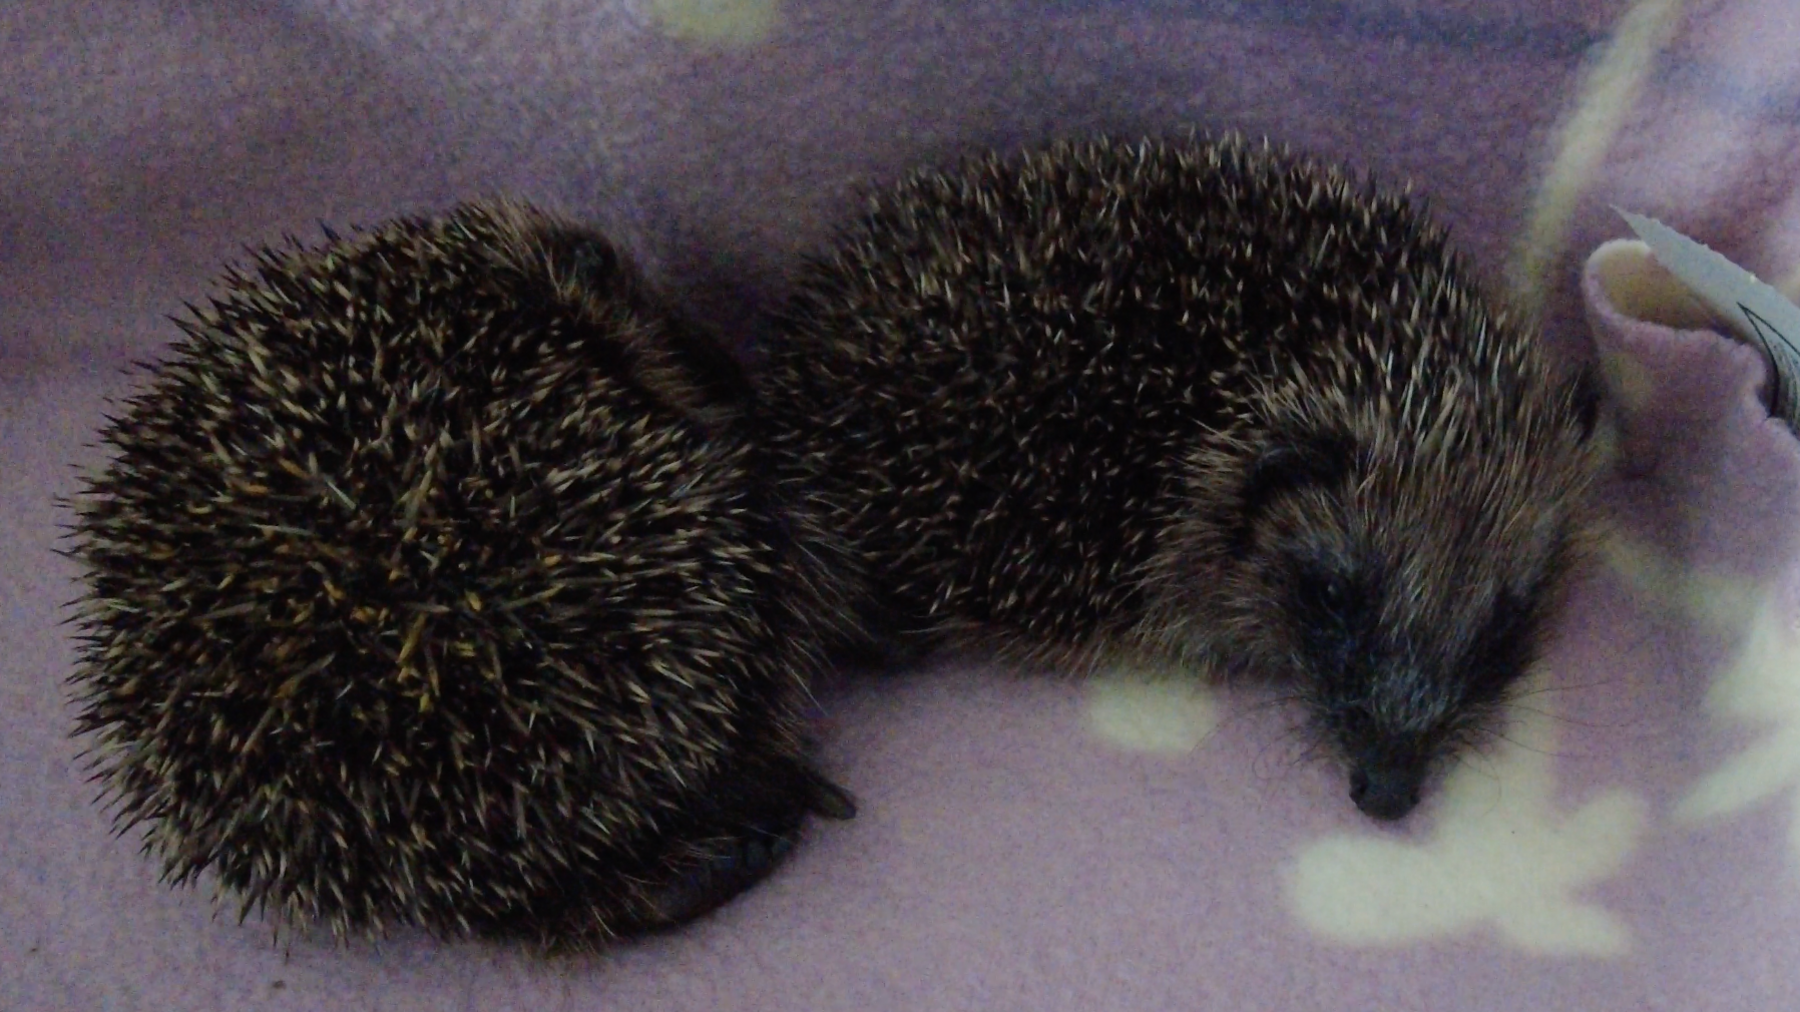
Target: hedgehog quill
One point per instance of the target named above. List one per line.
(430, 584)
(1197, 400)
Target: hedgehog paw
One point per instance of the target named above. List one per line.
(718, 878)
(739, 861)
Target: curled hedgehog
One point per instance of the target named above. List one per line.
(432, 583)
(1192, 400)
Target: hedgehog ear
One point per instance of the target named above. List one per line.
(1503, 648)
(1287, 463)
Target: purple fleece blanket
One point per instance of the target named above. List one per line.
(1633, 843)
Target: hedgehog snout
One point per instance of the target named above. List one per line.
(1388, 765)
(1386, 791)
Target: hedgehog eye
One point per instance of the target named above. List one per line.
(1327, 595)
(1329, 606)
(1503, 650)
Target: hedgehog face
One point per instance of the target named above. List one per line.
(1403, 589)
(1393, 689)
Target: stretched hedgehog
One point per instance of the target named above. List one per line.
(1198, 401)
(432, 582)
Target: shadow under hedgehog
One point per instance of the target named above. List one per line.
(1196, 400)
(431, 583)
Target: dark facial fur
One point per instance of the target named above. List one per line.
(430, 584)
(1198, 399)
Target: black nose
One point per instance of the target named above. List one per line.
(1384, 794)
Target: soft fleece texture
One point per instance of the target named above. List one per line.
(1024, 843)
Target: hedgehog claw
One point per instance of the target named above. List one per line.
(826, 799)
